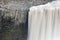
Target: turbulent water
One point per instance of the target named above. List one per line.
(44, 22)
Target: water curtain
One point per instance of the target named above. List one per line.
(44, 22)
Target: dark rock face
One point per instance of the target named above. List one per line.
(10, 30)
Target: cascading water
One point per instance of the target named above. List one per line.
(44, 22)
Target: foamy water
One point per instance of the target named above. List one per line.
(44, 22)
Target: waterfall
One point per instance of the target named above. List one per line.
(44, 22)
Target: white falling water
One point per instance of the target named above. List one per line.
(44, 22)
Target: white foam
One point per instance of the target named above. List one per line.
(44, 22)
(52, 4)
